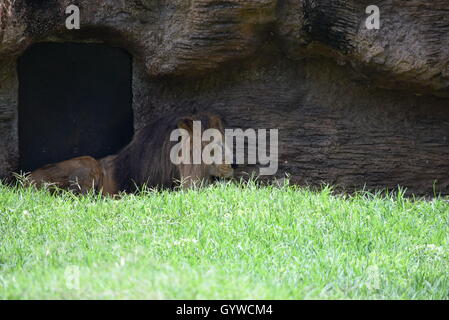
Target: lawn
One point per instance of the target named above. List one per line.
(228, 241)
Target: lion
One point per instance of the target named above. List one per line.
(79, 175)
(145, 161)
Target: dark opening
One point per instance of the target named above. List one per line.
(74, 99)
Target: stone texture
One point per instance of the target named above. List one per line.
(9, 147)
(354, 106)
(410, 51)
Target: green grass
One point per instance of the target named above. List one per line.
(223, 242)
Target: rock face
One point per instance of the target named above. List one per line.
(353, 106)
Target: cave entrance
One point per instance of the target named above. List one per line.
(74, 99)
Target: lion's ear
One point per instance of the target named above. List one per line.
(186, 124)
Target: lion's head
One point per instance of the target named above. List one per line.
(148, 159)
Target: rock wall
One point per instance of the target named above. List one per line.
(354, 107)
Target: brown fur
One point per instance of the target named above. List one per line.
(109, 186)
(78, 175)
